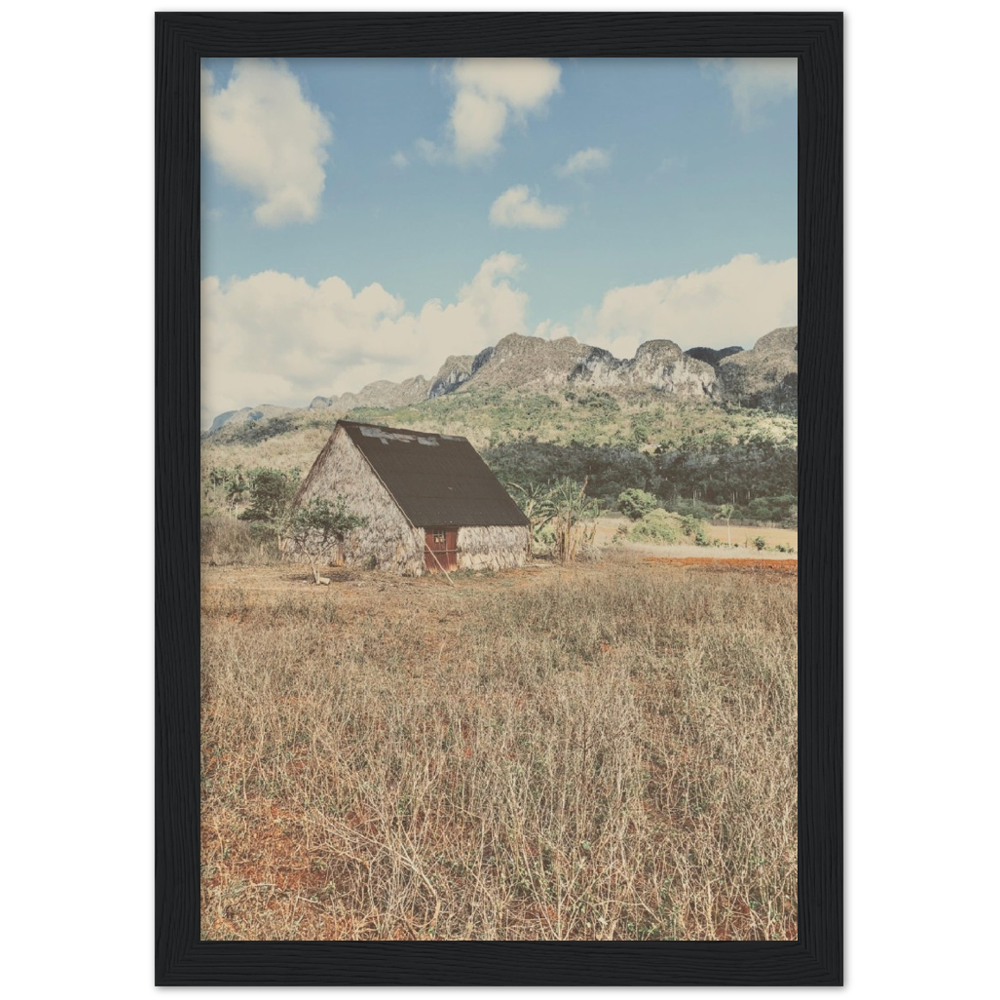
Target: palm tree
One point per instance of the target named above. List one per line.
(726, 510)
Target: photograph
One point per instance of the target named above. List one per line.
(499, 499)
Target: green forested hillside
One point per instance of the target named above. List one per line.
(676, 449)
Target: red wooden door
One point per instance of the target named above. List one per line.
(441, 548)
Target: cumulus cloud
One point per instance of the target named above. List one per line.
(400, 160)
(274, 338)
(267, 138)
(516, 208)
(734, 304)
(753, 84)
(585, 160)
(488, 94)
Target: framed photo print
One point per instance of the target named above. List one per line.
(498, 500)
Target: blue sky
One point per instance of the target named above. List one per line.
(363, 219)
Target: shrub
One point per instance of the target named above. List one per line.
(271, 492)
(760, 543)
(694, 529)
(689, 508)
(635, 504)
(316, 527)
(657, 527)
(265, 534)
(224, 489)
(760, 510)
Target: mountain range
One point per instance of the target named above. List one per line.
(766, 376)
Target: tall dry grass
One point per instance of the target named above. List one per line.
(226, 541)
(602, 752)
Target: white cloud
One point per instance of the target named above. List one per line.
(273, 338)
(267, 138)
(585, 160)
(400, 160)
(754, 83)
(515, 207)
(734, 304)
(429, 151)
(524, 84)
(488, 93)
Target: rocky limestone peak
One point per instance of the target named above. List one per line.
(516, 345)
(659, 364)
(658, 352)
(767, 374)
(527, 361)
(248, 415)
(456, 370)
(385, 393)
(221, 419)
(481, 358)
(784, 340)
(455, 363)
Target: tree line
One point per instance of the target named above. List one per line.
(757, 476)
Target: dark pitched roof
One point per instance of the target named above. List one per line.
(437, 479)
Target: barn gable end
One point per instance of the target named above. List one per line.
(387, 539)
(417, 490)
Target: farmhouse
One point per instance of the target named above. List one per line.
(429, 501)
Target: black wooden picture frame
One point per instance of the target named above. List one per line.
(816, 39)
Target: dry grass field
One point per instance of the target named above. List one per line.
(604, 751)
